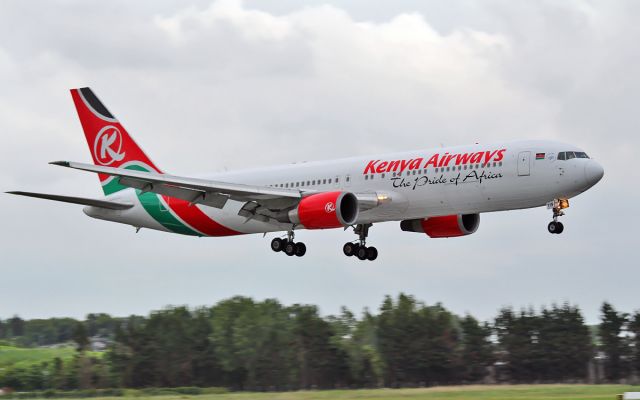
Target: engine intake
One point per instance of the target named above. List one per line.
(326, 210)
(444, 226)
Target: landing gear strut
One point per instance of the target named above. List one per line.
(558, 205)
(288, 246)
(360, 248)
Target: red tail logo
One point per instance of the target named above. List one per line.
(107, 146)
(108, 140)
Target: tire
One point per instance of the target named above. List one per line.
(552, 227)
(300, 249)
(290, 248)
(349, 249)
(277, 244)
(372, 253)
(361, 253)
(560, 228)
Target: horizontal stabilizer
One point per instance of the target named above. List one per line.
(111, 205)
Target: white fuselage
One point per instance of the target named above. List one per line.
(417, 184)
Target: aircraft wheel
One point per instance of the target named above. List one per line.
(277, 244)
(555, 227)
(349, 249)
(300, 249)
(361, 253)
(372, 253)
(560, 228)
(290, 248)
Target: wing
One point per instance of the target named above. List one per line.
(111, 205)
(262, 202)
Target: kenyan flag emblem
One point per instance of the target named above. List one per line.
(539, 156)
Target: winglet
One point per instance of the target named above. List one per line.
(60, 163)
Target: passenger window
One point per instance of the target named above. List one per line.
(324, 181)
(382, 176)
(348, 178)
(366, 177)
(337, 179)
(329, 180)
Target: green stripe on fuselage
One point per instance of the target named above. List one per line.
(114, 184)
(152, 205)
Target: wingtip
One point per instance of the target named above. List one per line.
(60, 163)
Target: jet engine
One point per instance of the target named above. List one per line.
(326, 210)
(444, 226)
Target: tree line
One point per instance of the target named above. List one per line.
(243, 344)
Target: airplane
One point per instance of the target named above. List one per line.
(439, 192)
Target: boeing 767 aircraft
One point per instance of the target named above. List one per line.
(440, 192)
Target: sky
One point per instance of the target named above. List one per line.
(219, 85)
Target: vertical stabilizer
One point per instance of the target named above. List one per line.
(109, 143)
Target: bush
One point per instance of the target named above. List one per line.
(115, 392)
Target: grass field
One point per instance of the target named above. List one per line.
(23, 357)
(516, 392)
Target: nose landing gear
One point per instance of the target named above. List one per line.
(288, 246)
(557, 205)
(360, 248)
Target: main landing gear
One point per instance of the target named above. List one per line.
(558, 205)
(360, 249)
(288, 246)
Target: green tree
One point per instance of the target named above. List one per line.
(634, 328)
(477, 350)
(418, 344)
(80, 337)
(565, 343)
(16, 326)
(613, 345)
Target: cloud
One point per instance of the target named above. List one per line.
(227, 84)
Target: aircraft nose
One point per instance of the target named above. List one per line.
(593, 172)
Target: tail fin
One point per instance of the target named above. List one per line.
(110, 144)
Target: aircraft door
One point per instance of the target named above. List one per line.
(524, 163)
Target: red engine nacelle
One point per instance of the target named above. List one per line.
(326, 210)
(445, 226)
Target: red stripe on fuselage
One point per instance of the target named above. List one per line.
(197, 219)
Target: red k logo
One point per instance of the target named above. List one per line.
(107, 145)
(329, 207)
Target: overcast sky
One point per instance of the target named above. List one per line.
(209, 85)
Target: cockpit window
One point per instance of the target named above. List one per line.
(568, 155)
